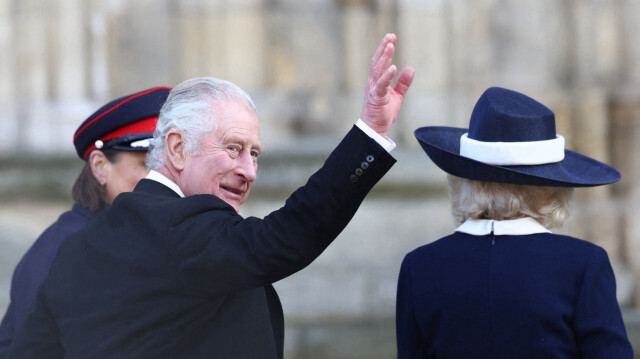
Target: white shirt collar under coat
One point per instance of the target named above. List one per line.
(159, 177)
(511, 227)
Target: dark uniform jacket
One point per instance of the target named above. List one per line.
(33, 268)
(159, 276)
(527, 297)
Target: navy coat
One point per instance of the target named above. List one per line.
(531, 296)
(33, 268)
(159, 276)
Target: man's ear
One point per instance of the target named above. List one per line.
(100, 166)
(176, 150)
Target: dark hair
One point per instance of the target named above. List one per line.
(87, 191)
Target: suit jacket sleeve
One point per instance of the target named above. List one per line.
(219, 251)
(599, 327)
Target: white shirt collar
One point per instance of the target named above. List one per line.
(159, 177)
(513, 227)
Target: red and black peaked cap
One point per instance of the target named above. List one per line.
(124, 124)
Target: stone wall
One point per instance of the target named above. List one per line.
(305, 62)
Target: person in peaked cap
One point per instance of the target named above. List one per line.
(502, 285)
(120, 130)
(113, 143)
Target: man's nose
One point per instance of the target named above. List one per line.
(247, 166)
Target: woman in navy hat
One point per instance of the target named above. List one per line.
(502, 285)
(113, 143)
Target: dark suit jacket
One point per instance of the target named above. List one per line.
(158, 276)
(33, 268)
(533, 296)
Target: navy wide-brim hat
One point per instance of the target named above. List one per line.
(125, 124)
(511, 139)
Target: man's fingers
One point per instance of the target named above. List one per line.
(384, 81)
(404, 80)
(387, 39)
(384, 62)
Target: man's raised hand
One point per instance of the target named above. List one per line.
(382, 102)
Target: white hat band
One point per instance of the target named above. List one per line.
(513, 153)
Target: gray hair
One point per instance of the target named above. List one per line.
(501, 201)
(189, 108)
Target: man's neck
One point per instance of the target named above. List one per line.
(161, 177)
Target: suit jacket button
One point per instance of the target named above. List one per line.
(364, 165)
(359, 171)
(370, 158)
(353, 178)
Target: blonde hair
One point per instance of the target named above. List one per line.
(472, 199)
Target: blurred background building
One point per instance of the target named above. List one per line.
(305, 62)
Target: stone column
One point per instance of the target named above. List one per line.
(246, 47)
(590, 136)
(628, 23)
(425, 35)
(306, 68)
(225, 40)
(68, 49)
(141, 48)
(596, 67)
(200, 43)
(597, 42)
(68, 72)
(625, 116)
(9, 129)
(33, 65)
(359, 42)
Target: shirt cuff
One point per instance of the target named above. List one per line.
(385, 142)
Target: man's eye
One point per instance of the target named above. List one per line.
(234, 148)
(255, 154)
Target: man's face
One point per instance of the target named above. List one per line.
(226, 163)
